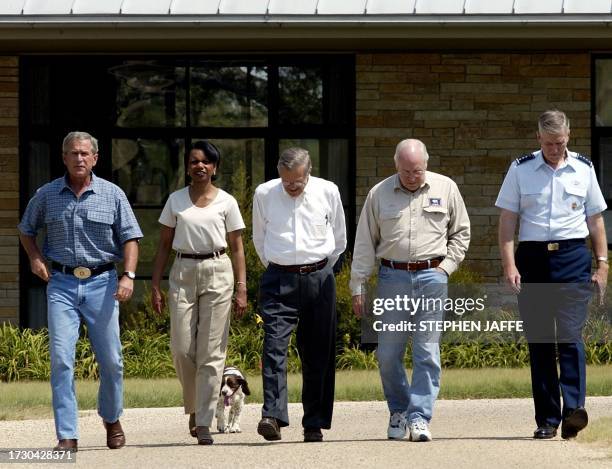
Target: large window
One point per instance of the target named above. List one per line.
(146, 112)
(602, 131)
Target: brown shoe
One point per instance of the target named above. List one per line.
(115, 438)
(204, 436)
(192, 426)
(269, 429)
(67, 445)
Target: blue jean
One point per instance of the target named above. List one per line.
(416, 399)
(71, 300)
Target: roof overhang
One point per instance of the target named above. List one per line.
(191, 33)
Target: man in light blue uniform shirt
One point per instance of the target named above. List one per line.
(555, 195)
(89, 226)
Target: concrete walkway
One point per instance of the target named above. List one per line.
(467, 434)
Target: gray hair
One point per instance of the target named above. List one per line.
(294, 157)
(407, 142)
(553, 122)
(76, 135)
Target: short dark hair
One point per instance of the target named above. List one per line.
(211, 152)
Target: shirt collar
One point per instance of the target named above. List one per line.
(94, 186)
(397, 185)
(568, 161)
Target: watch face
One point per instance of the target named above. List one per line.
(131, 275)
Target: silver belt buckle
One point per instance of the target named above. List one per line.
(82, 273)
(552, 246)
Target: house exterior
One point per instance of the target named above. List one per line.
(346, 79)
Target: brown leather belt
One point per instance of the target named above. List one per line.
(301, 269)
(200, 257)
(420, 265)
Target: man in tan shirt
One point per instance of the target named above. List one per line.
(416, 224)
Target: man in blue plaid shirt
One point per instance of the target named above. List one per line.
(89, 226)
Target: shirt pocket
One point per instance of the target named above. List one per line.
(573, 197)
(100, 217)
(390, 224)
(531, 198)
(435, 218)
(318, 227)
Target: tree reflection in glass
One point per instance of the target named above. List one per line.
(300, 95)
(149, 94)
(229, 96)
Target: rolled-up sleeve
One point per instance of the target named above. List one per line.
(33, 218)
(126, 226)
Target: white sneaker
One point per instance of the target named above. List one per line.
(397, 426)
(419, 430)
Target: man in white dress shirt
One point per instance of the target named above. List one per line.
(299, 233)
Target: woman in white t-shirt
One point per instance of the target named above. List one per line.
(196, 222)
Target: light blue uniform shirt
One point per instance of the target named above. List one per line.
(552, 204)
(86, 231)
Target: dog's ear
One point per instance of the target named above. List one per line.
(245, 386)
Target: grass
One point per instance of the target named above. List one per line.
(32, 399)
(599, 432)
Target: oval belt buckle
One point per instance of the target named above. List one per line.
(82, 273)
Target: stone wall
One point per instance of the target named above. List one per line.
(9, 189)
(476, 112)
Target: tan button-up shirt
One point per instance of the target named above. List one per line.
(404, 226)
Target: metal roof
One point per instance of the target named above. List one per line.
(315, 8)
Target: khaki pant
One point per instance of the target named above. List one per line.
(200, 298)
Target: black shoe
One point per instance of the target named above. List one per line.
(575, 421)
(269, 429)
(312, 435)
(545, 433)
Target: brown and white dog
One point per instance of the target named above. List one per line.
(234, 388)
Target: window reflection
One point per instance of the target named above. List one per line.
(149, 94)
(148, 170)
(249, 152)
(330, 160)
(229, 96)
(300, 95)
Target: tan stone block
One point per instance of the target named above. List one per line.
(475, 88)
(440, 124)
(414, 68)
(381, 77)
(396, 87)
(484, 69)
(9, 276)
(367, 94)
(454, 69)
(452, 78)
(462, 105)
(559, 82)
(460, 59)
(9, 61)
(363, 59)
(402, 59)
(369, 121)
(449, 115)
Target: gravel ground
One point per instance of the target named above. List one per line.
(467, 434)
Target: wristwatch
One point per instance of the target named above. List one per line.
(602, 259)
(130, 275)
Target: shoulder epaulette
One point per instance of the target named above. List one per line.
(524, 158)
(584, 159)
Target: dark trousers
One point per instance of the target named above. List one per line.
(553, 305)
(307, 301)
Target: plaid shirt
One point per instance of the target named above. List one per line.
(85, 231)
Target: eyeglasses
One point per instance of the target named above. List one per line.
(297, 183)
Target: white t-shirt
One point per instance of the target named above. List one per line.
(201, 230)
